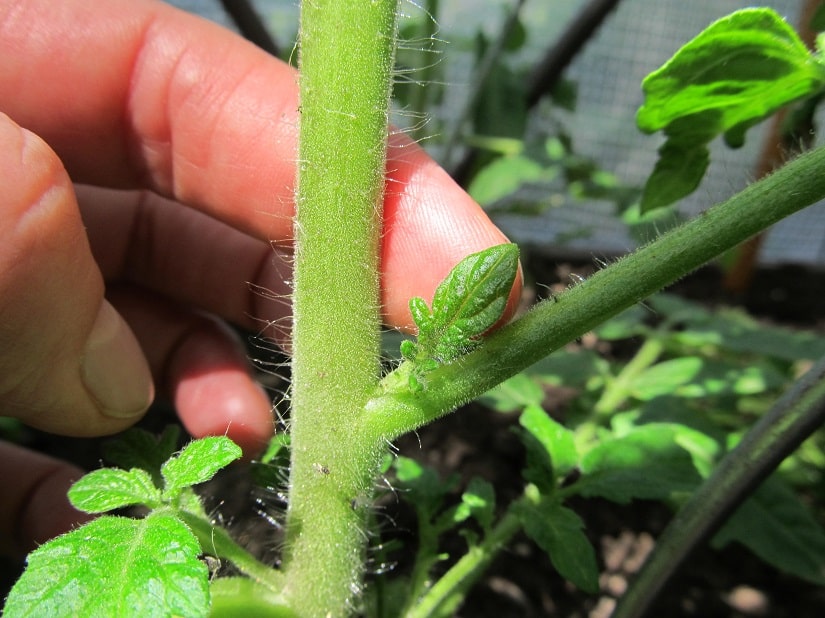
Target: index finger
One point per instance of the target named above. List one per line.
(135, 93)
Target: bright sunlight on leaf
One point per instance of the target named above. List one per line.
(111, 488)
(199, 461)
(115, 566)
(738, 71)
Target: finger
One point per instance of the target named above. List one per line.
(189, 258)
(68, 362)
(163, 259)
(35, 507)
(203, 368)
(192, 111)
(427, 214)
(215, 394)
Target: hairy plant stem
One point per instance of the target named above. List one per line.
(347, 51)
(396, 410)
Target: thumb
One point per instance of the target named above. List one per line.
(69, 364)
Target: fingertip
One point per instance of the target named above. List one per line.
(226, 403)
(431, 224)
(515, 299)
(214, 392)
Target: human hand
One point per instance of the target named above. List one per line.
(185, 138)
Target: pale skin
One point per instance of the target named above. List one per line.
(147, 159)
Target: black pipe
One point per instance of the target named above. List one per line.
(250, 24)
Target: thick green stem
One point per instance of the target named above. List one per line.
(346, 67)
(396, 410)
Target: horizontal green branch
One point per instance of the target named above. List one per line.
(555, 322)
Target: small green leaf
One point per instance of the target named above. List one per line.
(112, 488)
(558, 531)
(277, 448)
(677, 174)
(114, 566)
(467, 303)
(647, 463)
(421, 487)
(409, 350)
(407, 470)
(420, 312)
(271, 470)
(667, 377)
(557, 440)
(503, 177)
(478, 501)
(476, 290)
(694, 377)
(198, 462)
(669, 409)
(776, 526)
(538, 468)
(693, 432)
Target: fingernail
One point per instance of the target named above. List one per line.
(114, 368)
